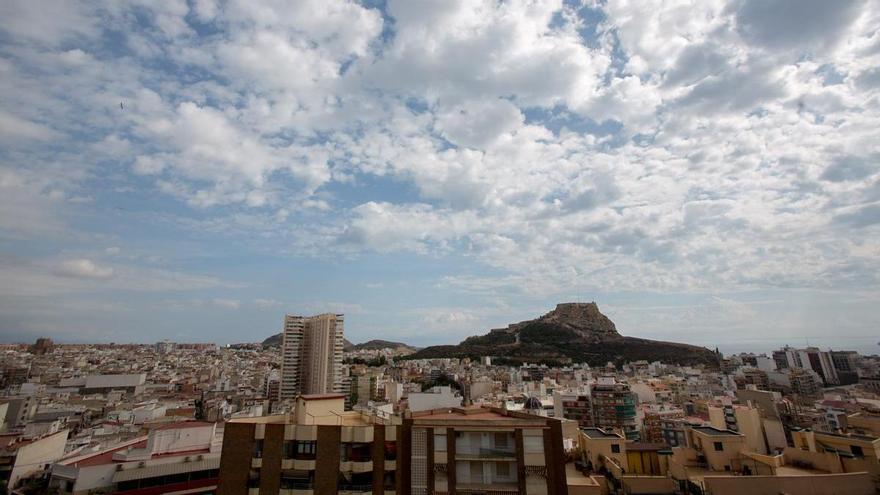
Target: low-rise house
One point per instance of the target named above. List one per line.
(22, 457)
(176, 457)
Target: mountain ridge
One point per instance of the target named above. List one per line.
(572, 332)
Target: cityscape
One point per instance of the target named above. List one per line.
(440, 247)
(309, 412)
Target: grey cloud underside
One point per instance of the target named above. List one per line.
(802, 24)
(704, 148)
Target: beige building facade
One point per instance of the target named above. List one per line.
(311, 355)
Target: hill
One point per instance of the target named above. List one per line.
(275, 341)
(375, 345)
(573, 332)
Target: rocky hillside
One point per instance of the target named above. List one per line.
(573, 332)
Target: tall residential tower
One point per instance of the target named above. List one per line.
(311, 355)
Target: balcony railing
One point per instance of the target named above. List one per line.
(487, 453)
(297, 485)
(347, 487)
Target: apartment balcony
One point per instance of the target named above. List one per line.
(350, 489)
(356, 466)
(298, 464)
(357, 434)
(486, 454)
(303, 488)
(487, 489)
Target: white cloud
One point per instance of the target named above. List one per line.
(51, 278)
(13, 128)
(267, 303)
(83, 268)
(688, 146)
(226, 303)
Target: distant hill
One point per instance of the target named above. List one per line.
(573, 332)
(375, 345)
(275, 341)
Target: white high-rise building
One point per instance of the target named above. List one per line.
(311, 355)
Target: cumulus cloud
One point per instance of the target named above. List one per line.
(665, 146)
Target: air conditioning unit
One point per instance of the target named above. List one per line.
(142, 464)
(119, 467)
(186, 459)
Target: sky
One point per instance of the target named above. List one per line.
(706, 171)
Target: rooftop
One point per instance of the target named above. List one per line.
(573, 477)
(596, 433)
(321, 396)
(185, 424)
(476, 413)
(715, 432)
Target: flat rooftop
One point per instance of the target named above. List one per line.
(600, 433)
(573, 477)
(715, 432)
(321, 396)
(477, 414)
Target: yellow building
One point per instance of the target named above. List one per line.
(645, 459)
(848, 453)
(599, 446)
(863, 424)
(742, 419)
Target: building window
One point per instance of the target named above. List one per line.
(502, 470)
(390, 451)
(856, 451)
(297, 480)
(254, 478)
(258, 449)
(615, 448)
(719, 446)
(355, 452)
(300, 450)
(390, 481)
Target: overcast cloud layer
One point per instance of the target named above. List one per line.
(707, 171)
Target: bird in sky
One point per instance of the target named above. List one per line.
(120, 106)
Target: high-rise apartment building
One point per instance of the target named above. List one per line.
(846, 365)
(311, 355)
(653, 422)
(810, 358)
(614, 407)
(756, 377)
(574, 406)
